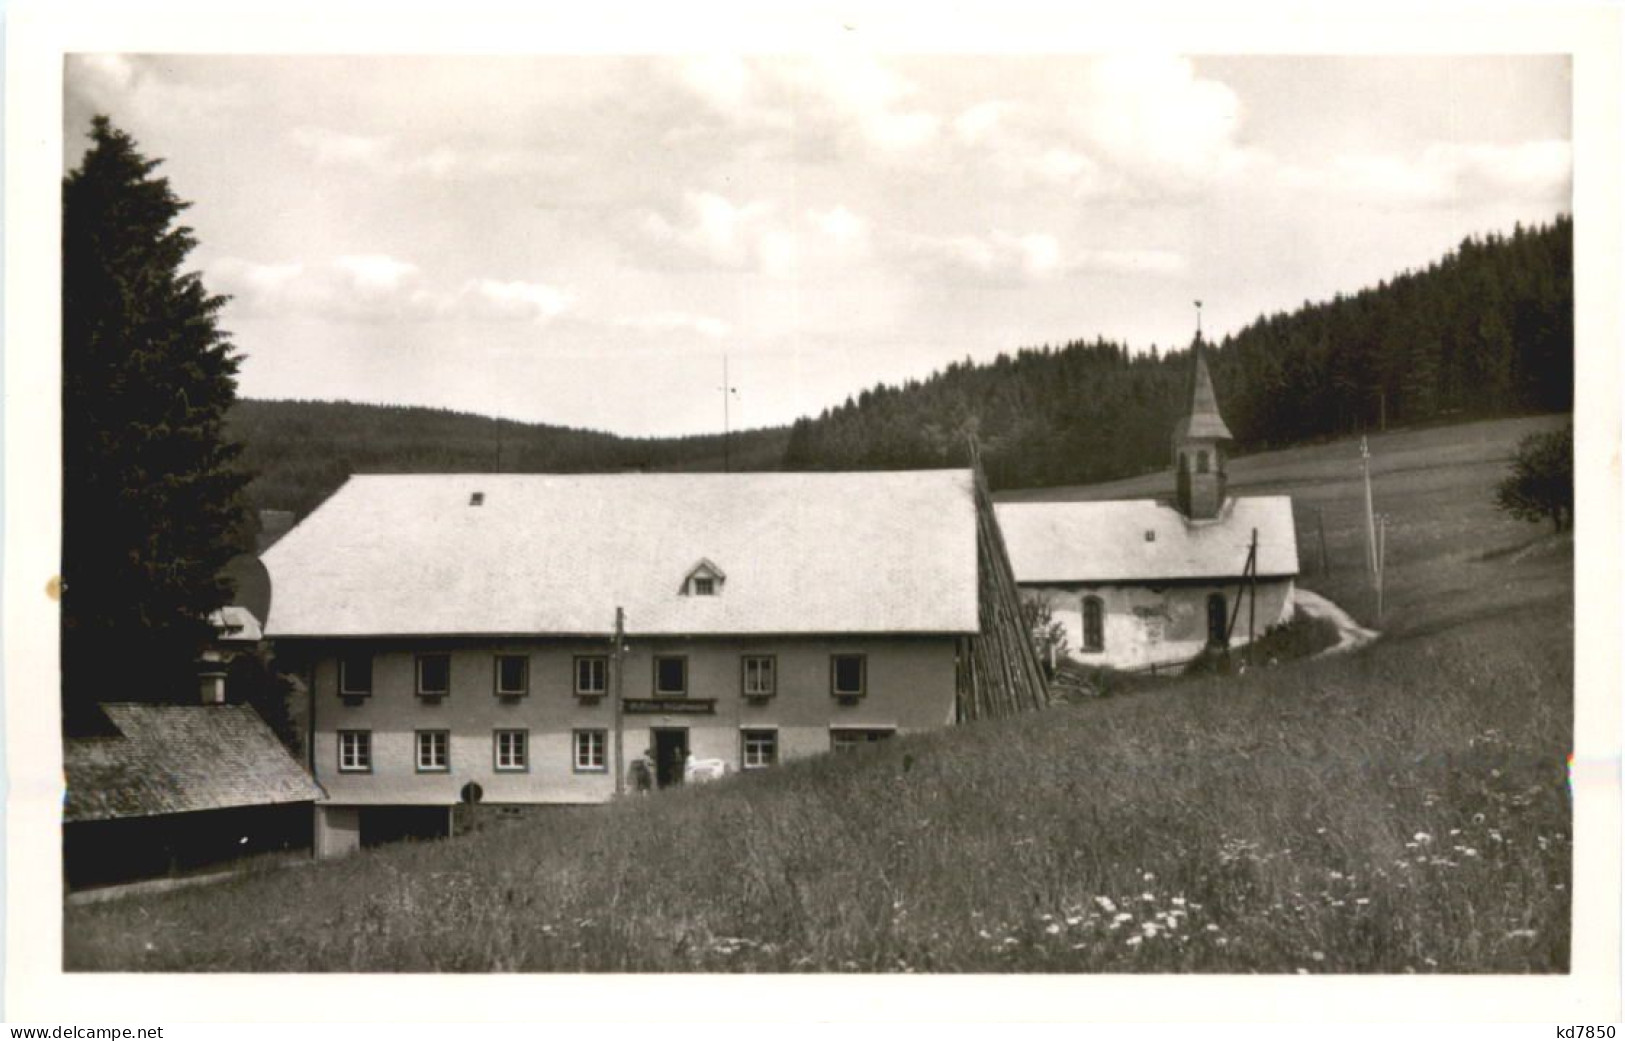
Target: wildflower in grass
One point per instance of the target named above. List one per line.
(1149, 877)
(1105, 904)
(1318, 955)
(1423, 836)
(1052, 928)
(1177, 901)
(1212, 928)
(1122, 916)
(1148, 898)
(1516, 934)
(1073, 920)
(1362, 901)
(1133, 941)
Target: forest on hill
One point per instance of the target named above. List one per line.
(1487, 330)
(301, 451)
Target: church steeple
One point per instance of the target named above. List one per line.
(1199, 440)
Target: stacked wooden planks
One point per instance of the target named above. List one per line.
(998, 673)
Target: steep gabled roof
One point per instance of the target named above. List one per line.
(1064, 542)
(556, 554)
(1202, 419)
(179, 759)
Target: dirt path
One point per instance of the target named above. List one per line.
(1350, 634)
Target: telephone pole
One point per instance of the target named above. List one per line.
(620, 755)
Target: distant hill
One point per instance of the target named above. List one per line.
(301, 451)
(1486, 331)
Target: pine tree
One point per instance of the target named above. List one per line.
(151, 499)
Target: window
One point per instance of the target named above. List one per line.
(355, 751)
(1094, 624)
(434, 674)
(759, 748)
(513, 674)
(671, 677)
(850, 739)
(589, 752)
(846, 675)
(758, 678)
(1218, 621)
(434, 751)
(1201, 462)
(509, 750)
(592, 675)
(355, 673)
(705, 587)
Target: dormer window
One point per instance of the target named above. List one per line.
(703, 579)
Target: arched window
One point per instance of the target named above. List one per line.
(1218, 620)
(1094, 624)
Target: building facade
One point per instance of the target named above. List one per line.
(1138, 584)
(459, 632)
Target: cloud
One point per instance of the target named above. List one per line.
(140, 92)
(377, 288)
(840, 225)
(725, 233)
(830, 100)
(1131, 127)
(1445, 173)
(1001, 256)
(665, 322)
(387, 156)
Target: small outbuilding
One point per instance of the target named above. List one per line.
(169, 789)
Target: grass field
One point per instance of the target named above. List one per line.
(1403, 808)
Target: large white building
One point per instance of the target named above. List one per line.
(459, 630)
(1140, 583)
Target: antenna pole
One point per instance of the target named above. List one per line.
(1198, 319)
(727, 462)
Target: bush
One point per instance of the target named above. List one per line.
(1541, 484)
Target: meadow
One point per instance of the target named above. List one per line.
(1401, 808)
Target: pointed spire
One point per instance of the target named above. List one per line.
(1203, 420)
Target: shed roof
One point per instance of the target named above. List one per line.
(556, 554)
(1107, 541)
(177, 759)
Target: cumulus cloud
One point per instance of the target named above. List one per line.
(1132, 126)
(833, 98)
(378, 288)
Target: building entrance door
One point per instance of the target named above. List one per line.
(671, 751)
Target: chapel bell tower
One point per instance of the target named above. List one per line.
(1199, 442)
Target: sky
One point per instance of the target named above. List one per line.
(583, 240)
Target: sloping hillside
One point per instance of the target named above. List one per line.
(1401, 808)
(301, 451)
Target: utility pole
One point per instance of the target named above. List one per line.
(1370, 515)
(1320, 522)
(620, 755)
(1382, 548)
(1252, 593)
(728, 391)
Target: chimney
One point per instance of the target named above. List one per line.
(212, 680)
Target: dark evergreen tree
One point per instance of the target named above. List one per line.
(151, 506)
